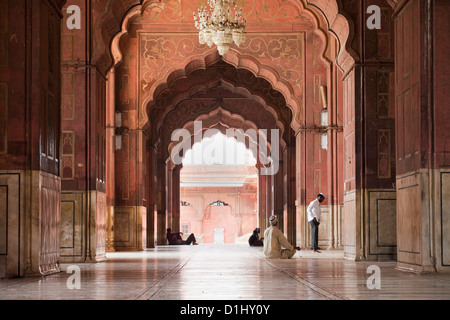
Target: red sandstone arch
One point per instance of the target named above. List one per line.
(267, 121)
(116, 22)
(244, 62)
(222, 120)
(332, 11)
(204, 88)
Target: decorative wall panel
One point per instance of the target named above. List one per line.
(4, 34)
(124, 227)
(382, 222)
(68, 155)
(9, 224)
(3, 118)
(161, 54)
(3, 220)
(445, 218)
(50, 219)
(72, 225)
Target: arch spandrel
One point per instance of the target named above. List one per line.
(281, 75)
(117, 21)
(160, 56)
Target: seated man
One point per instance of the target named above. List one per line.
(174, 238)
(274, 240)
(254, 240)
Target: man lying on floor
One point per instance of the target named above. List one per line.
(174, 238)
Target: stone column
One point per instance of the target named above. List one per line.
(110, 160)
(423, 166)
(369, 196)
(277, 185)
(175, 198)
(30, 133)
(262, 200)
(83, 170)
(289, 210)
(151, 194)
(161, 219)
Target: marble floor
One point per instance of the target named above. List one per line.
(227, 272)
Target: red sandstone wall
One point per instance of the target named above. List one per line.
(237, 219)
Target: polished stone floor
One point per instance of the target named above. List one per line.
(227, 272)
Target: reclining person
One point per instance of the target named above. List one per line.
(174, 238)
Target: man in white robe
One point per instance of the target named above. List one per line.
(275, 241)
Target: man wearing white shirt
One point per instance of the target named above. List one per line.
(314, 220)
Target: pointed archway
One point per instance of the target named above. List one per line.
(163, 62)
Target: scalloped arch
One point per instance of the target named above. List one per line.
(339, 23)
(221, 120)
(204, 87)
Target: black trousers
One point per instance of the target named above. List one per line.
(314, 235)
(190, 239)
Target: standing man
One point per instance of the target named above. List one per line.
(274, 240)
(314, 220)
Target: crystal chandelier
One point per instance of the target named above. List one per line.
(222, 27)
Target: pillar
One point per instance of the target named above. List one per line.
(151, 188)
(369, 215)
(263, 216)
(83, 123)
(161, 220)
(30, 132)
(175, 198)
(110, 161)
(289, 210)
(130, 212)
(423, 166)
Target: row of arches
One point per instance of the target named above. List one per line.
(140, 62)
